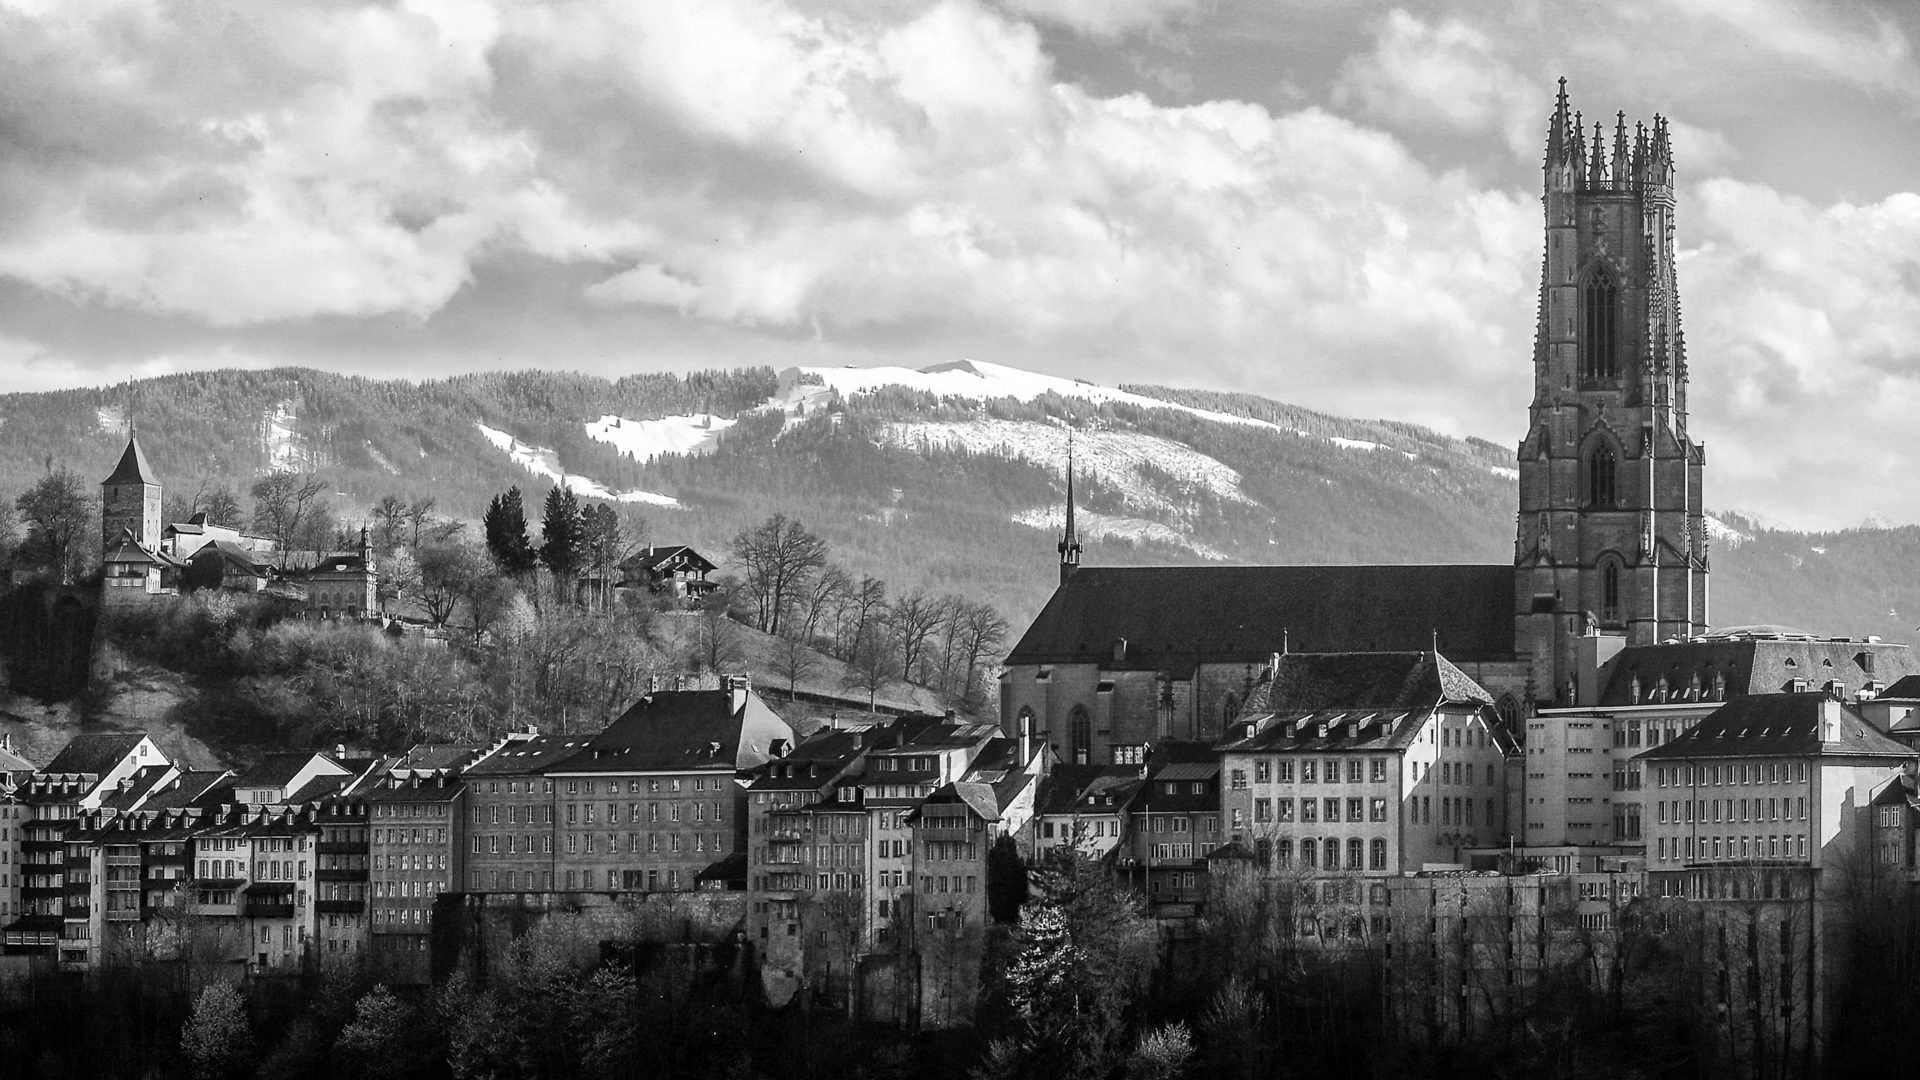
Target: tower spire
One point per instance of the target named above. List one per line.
(1069, 546)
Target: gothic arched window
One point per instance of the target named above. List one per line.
(1080, 732)
(1601, 470)
(1600, 318)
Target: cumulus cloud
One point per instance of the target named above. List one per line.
(1108, 18)
(1801, 323)
(1860, 46)
(908, 177)
(1443, 74)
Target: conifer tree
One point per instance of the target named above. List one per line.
(563, 541)
(506, 527)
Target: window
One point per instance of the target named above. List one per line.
(1262, 810)
(1378, 767)
(1378, 859)
(1080, 732)
(1263, 771)
(1610, 580)
(1599, 313)
(1376, 810)
(1309, 771)
(1601, 469)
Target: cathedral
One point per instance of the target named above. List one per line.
(1610, 546)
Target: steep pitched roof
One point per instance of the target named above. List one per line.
(1779, 725)
(94, 753)
(527, 757)
(133, 467)
(1753, 665)
(1172, 617)
(684, 729)
(656, 556)
(1371, 680)
(1905, 688)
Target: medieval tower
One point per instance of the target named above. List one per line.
(1610, 541)
(130, 501)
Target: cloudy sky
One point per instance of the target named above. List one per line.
(1333, 204)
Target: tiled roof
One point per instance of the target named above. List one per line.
(133, 467)
(674, 730)
(1371, 680)
(1174, 617)
(1748, 665)
(275, 769)
(1905, 688)
(527, 757)
(94, 753)
(1779, 725)
(655, 556)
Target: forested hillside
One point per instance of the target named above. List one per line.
(951, 479)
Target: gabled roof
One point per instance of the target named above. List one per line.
(275, 769)
(1905, 688)
(1176, 616)
(192, 788)
(1779, 725)
(133, 467)
(1371, 680)
(527, 757)
(340, 564)
(1088, 789)
(134, 789)
(1747, 664)
(232, 555)
(656, 556)
(129, 550)
(94, 753)
(431, 757)
(675, 730)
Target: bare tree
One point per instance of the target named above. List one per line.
(824, 593)
(915, 619)
(982, 631)
(59, 514)
(777, 558)
(793, 660)
(419, 514)
(286, 505)
(391, 513)
(870, 667)
(861, 607)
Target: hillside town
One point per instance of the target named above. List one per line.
(1481, 780)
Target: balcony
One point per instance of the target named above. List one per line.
(38, 847)
(340, 907)
(257, 909)
(338, 847)
(788, 833)
(332, 874)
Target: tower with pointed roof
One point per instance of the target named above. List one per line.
(1069, 545)
(1610, 540)
(130, 500)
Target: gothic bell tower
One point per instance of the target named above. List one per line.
(1611, 539)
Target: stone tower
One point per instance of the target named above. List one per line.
(130, 500)
(1611, 540)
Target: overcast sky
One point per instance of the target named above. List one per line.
(1332, 204)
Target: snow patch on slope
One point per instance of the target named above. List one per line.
(112, 419)
(1722, 533)
(981, 381)
(645, 439)
(1125, 528)
(1505, 472)
(380, 459)
(278, 437)
(1138, 465)
(540, 461)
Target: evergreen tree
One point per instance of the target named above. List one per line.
(1006, 880)
(506, 527)
(563, 541)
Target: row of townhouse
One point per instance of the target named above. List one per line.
(875, 841)
(312, 857)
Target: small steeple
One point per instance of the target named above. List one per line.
(1069, 546)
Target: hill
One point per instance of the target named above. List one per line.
(951, 478)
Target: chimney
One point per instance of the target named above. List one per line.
(736, 693)
(1830, 709)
